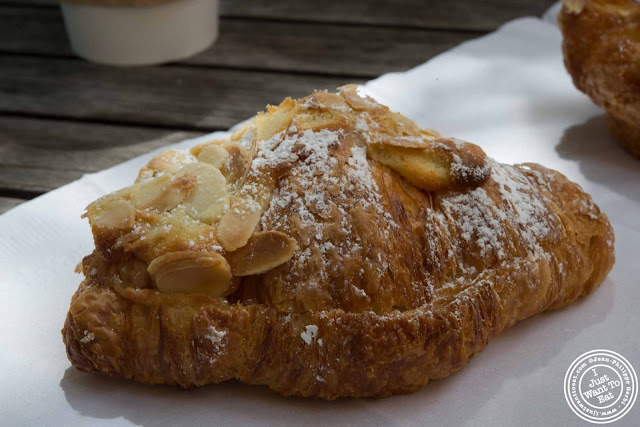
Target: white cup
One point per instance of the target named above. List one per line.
(141, 35)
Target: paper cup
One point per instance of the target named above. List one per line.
(141, 35)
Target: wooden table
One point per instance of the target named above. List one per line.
(62, 117)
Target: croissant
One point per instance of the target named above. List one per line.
(328, 248)
(601, 48)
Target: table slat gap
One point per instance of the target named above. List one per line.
(484, 15)
(247, 45)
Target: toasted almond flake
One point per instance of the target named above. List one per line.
(167, 162)
(246, 207)
(263, 252)
(236, 227)
(407, 142)
(236, 163)
(191, 272)
(161, 193)
(441, 164)
(115, 213)
(213, 154)
(209, 199)
(276, 120)
(420, 167)
(355, 101)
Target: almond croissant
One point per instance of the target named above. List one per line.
(329, 248)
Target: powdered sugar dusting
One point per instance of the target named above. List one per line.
(309, 334)
(483, 220)
(320, 192)
(479, 219)
(246, 140)
(88, 337)
(474, 173)
(588, 208)
(182, 158)
(530, 214)
(216, 336)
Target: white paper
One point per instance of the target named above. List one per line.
(508, 92)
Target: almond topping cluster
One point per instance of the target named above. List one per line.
(191, 217)
(194, 217)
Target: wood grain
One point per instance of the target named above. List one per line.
(168, 96)
(447, 14)
(40, 155)
(261, 45)
(482, 15)
(61, 117)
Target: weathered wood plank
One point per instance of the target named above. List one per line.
(324, 48)
(170, 96)
(7, 203)
(33, 30)
(447, 14)
(466, 14)
(262, 45)
(35, 180)
(40, 155)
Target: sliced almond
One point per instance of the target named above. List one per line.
(191, 272)
(245, 134)
(208, 201)
(115, 213)
(197, 149)
(246, 208)
(319, 119)
(252, 193)
(169, 161)
(236, 163)
(263, 252)
(355, 101)
(321, 110)
(430, 134)
(443, 164)
(418, 166)
(406, 141)
(404, 126)
(162, 193)
(275, 120)
(213, 154)
(241, 147)
(237, 225)
(324, 100)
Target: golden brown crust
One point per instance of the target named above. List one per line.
(601, 49)
(385, 285)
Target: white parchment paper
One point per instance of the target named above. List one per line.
(508, 92)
